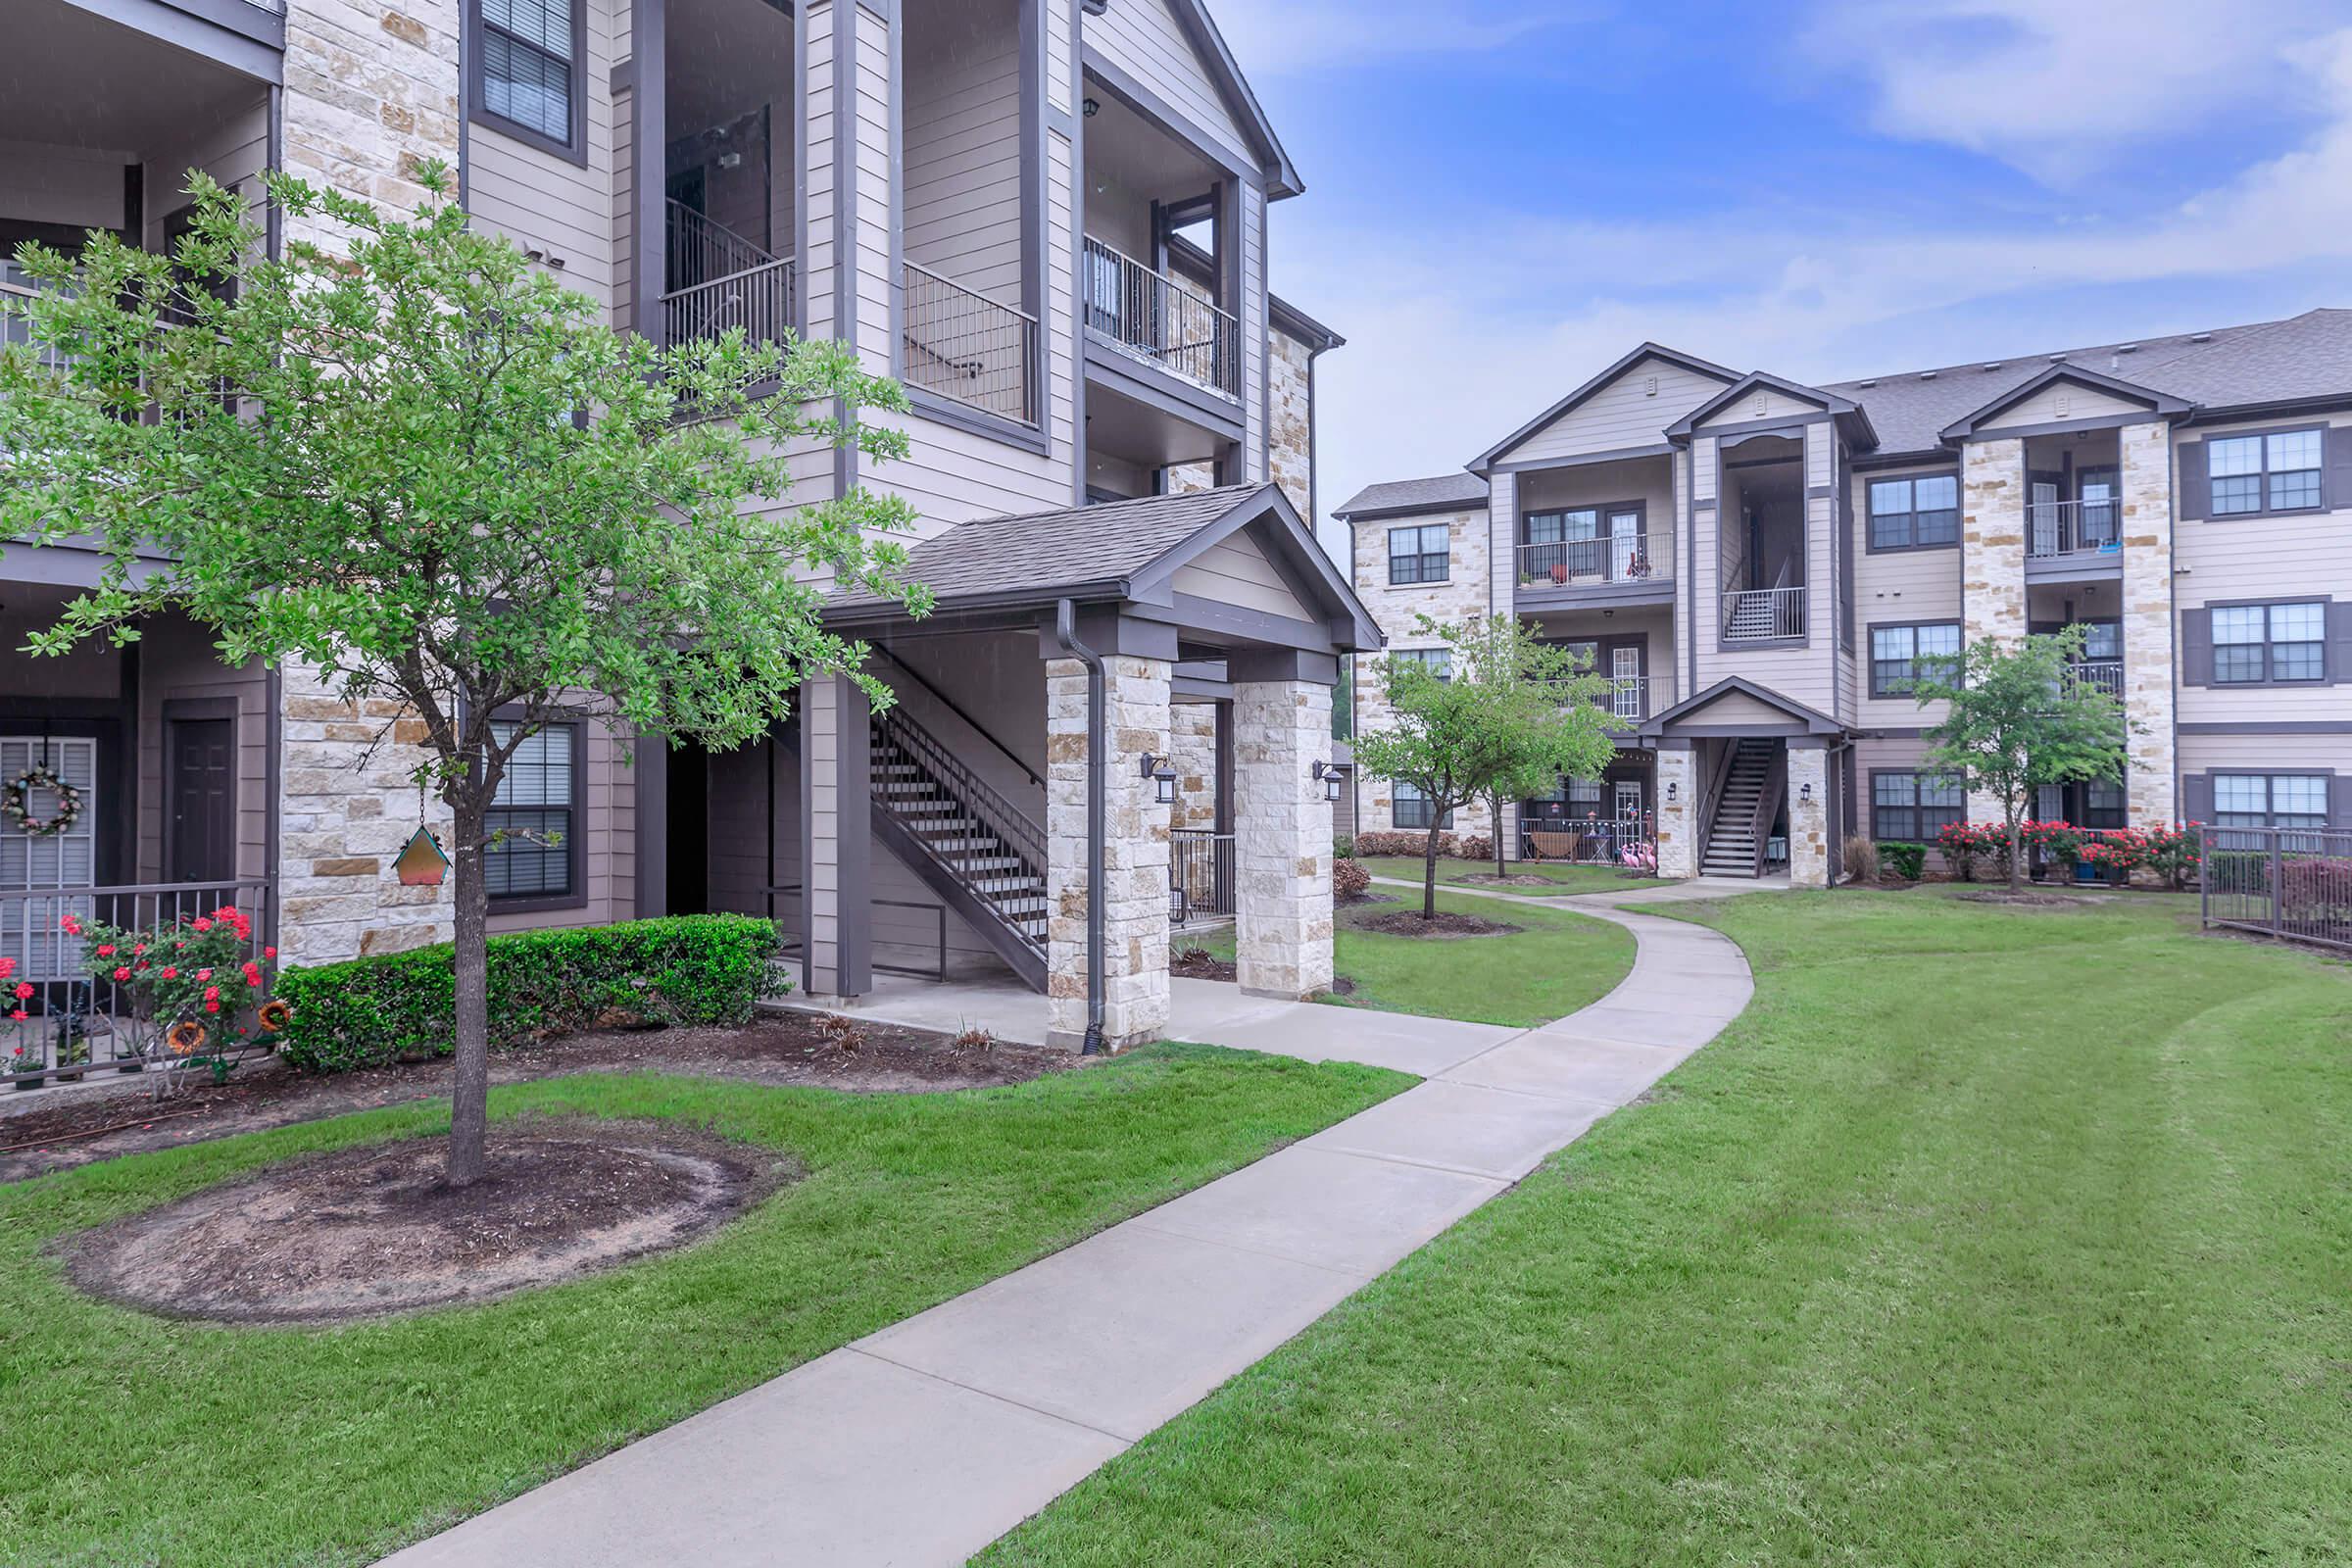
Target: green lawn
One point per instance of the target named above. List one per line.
(131, 1439)
(1568, 878)
(1557, 963)
(1987, 1236)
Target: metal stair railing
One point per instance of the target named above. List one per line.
(1023, 839)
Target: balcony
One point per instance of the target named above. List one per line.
(963, 345)
(719, 279)
(1161, 320)
(2106, 675)
(1631, 698)
(1763, 614)
(1626, 557)
(2056, 528)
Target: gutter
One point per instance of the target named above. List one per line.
(1065, 634)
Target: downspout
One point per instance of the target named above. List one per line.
(1065, 634)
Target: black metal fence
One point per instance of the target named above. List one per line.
(1590, 840)
(2289, 882)
(1199, 872)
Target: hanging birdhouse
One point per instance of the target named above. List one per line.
(421, 864)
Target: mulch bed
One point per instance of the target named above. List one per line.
(1489, 879)
(52, 1130)
(368, 1232)
(1338, 902)
(2022, 901)
(1196, 963)
(1447, 926)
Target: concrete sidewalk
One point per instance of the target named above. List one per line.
(923, 1443)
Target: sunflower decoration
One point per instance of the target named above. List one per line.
(276, 1015)
(184, 1037)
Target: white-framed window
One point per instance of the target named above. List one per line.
(2259, 644)
(530, 67)
(2269, 799)
(1912, 808)
(1419, 554)
(534, 854)
(2255, 473)
(1921, 513)
(1408, 807)
(1896, 654)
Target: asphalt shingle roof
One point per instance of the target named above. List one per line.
(1041, 552)
(1431, 494)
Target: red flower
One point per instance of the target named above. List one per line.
(8, 967)
(122, 974)
(203, 974)
(73, 926)
(211, 1007)
(268, 952)
(211, 994)
(201, 923)
(138, 949)
(19, 1015)
(106, 949)
(171, 973)
(23, 991)
(254, 980)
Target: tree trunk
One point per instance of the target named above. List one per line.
(469, 1099)
(1429, 868)
(2017, 858)
(1495, 809)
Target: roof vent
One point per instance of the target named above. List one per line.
(1992, 365)
(2200, 337)
(2057, 359)
(2127, 348)
(1650, 387)
(1866, 385)
(1927, 375)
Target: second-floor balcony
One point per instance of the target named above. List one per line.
(2106, 675)
(959, 343)
(1763, 614)
(719, 279)
(2060, 528)
(1625, 558)
(1161, 320)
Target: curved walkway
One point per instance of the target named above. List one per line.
(923, 1443)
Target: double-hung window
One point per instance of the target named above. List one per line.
(1913, 808)
(1902, 654)
(534, 846)
(2254, 473)
(2269, 799)
(1439, 661)
(2257, 644)
(530, 70)
(1409, 808)
(1419, 554)
(1915, 513)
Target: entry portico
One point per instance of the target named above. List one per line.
(1747, 775)
(1034, 799)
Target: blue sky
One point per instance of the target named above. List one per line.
(1820, 189)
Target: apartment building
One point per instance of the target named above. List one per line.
(1047, 218)
(1757, 564)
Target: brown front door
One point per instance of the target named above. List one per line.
(200, 841)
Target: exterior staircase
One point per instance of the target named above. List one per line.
(979, 851)
(1732, 847)
(1751, 619)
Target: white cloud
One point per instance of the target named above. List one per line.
(1282, 39)
(2059, 88)
(1453, 344)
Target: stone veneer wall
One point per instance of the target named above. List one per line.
(370, 96)
(1193, 746)
(1462, 596)
(1678, 812)
(1291, 430)
(1135, 870)
(1993, 558)
(2149, 773)
(1282, 922)
(1808, 818)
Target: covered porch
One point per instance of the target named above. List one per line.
(1750, 783)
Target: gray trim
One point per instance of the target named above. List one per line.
(1548, 598)
(1869, 543)
(1762, 731)
(845, 234)
(1753, 645)
(1257, 319)
(1791, 425)
(1033, 201)
(1583, 459)
(1814, 720)
(1831, 403)
(1249, 664)
(1164, 391)
(573, 149)
(1382, 513)
(798, 305)
(2161, 404)
(2281, 408)
(649, 871)
(2095, 567)
(2272, 726)
(273, 730)
(575, 859)
(2329, 672)
(1820, 492)
(1294, 323)
(1865, 655)
(1218, 618)
(2107, 421)
(1078, 446)
(854, 855)
(648, 108)
(1171, 120)
(1480, 464)
(1917, 771)
(1202, 28)
(978, 422)
(246, 38)
(2205, 511)
(894, 117)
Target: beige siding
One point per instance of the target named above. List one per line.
(1395, 610)
(1626, 412)
(177, 661)
(821, 128)
(741, 821)
(2060, 400)
(41, 183)
(1760, 403)
(1144, 39)
(1896, 586)
(1645, 481)
(962, 116)
(233, 149)
(1253, 331)
(1236, 572)
(545, 201)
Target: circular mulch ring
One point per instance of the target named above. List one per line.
(1447, 926)
(2022, 901)
(360, 1233)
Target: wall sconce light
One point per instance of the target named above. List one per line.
(1090, 107)
(1162, 773)
(1334, 779)
(1804, 791)
(1674, 791)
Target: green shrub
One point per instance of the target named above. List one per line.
(686, 970)
(1906, 861)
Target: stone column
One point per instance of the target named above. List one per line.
(1993, 557)
(1677, 809)
(1282, 925)
(2150, 770)
(1808, 815)
(1135, 852)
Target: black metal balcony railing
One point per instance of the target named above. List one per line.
(1159, 318)
(2107, 674)
(962, 344)
(1615, 559)
(1760, 614)
(717, 279)
(2072, 527)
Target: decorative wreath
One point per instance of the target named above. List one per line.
(16, 803)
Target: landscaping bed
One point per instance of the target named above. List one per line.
(135, 1436)
(1536, 878)
(54, 1130)
(1975, 1240)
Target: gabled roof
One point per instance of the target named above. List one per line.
(1402, 498)
(2162, 402)
(1844, 409)
(1193, 15)
(1646, 350)
(1120, 551)
(1816, 722)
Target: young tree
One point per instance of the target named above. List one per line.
(2021, 718)
(1513, 715)
(428, 473)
